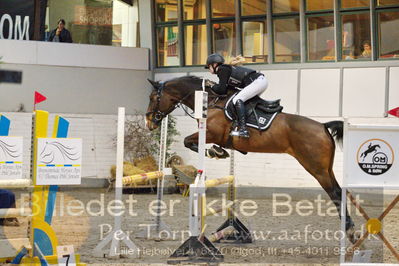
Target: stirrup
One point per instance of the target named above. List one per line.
(235, 133)
(243, 133)
(239, 133)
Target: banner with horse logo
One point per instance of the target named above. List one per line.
(11, 153)
(370, 155)
(59, 161)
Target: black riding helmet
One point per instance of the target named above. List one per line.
(214, 58)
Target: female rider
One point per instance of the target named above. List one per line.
(248, 81)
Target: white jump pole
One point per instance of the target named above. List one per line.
(197, 190)
(154, 231)
(162, 144)
(197, 248)
(117, 235)
(160, 225)
(200, 113)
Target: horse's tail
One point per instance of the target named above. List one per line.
(336, 129)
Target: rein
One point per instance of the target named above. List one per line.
(158, 115)
(212, 105)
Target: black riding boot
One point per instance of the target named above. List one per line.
(242, 124)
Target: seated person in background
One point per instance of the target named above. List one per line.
(366, 49)
(330, 55)
(60, 34)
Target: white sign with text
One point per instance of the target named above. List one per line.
(66, 256)
(59, 161)
(11, 157)
(371, 156)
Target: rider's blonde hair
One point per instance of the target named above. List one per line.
(236, 61)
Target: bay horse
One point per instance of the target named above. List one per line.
(308, 141)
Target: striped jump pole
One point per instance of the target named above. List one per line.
(16, 183)
(219, 181)
(241, 233)
(161, 225)
(154, 231)
(15, 212)
(141, 178)
(218, 209)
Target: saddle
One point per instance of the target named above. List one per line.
(260, 113)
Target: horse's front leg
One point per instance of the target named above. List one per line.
(218, 152)
(191, 142)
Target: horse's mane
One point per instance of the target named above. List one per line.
(189, 78)
(186, 85)
(190, 82)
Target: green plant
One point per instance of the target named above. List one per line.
(141, 142)
(138, 139)
(172, 133)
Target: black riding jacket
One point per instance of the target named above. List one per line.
(231, 77)
(65, 36)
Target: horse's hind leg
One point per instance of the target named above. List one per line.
(318, 160)
(335, 194)
(330, 185)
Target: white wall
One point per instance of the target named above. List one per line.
(364, 92)
(168, 76)
(77, 90)
(324, 92)
(146, 27)
(85, 79)
(206, 75)
(74, 55)
(319, 92)
(394, 88)
(283, 85)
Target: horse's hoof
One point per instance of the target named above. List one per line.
(216, 152)
(210, 153)
(220, 152)
(352, 235)
(357, 236)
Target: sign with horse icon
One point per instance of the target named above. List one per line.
(369, 155)
(59, 161)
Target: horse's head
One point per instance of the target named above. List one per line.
(166, 96)
(162, 102)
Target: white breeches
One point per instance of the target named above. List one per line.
(257, 87)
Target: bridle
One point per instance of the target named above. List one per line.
(158, 115)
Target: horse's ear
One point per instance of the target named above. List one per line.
(153, 83)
